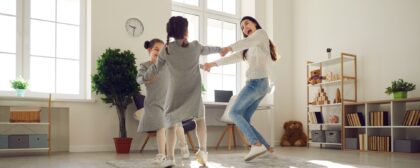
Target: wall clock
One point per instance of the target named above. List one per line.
(134, 27)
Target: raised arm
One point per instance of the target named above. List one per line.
(161, 61)
(234, 58)
(206, 50)
(145, 74)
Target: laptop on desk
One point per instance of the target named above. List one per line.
(222, 95)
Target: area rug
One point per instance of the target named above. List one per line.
(236, 161)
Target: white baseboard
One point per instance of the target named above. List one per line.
(99, 148)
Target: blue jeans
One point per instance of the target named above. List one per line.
(244, 107)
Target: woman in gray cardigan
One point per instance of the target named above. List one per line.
(156, 87)
(183, 99)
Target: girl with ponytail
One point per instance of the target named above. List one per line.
(258, 50)
(183, 99)
(156, 87)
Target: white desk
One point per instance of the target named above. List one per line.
(214, 111)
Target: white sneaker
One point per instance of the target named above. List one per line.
(167, 163)
(184, 151)
(255, 152)
(158, 159)
(201, 157)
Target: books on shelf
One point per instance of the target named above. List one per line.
(379, 118)
(411, 118)
(362, 142)
(355, 119)
(316, 118)
(379, 143)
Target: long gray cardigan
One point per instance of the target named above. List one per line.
(183, 99)
(156, 87)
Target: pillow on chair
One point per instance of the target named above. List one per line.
(138, 113)
(225, 117)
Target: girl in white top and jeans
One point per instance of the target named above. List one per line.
(258, 50)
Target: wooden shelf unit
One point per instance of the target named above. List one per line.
(28, 124)
(345, 79)
(396, 112)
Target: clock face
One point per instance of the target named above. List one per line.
(134, 27)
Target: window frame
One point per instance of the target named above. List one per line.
(204, 14)
(23, 53)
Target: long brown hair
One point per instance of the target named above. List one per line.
(273, 51)
(176, 27)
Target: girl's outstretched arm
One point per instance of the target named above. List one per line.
(145, 74)
(161, 61)
(206, 50)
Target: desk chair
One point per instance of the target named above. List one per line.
(230, 126)
(188, 125)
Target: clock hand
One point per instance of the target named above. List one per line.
(134, 30)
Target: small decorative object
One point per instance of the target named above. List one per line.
(321, 98)
(329, 76)
(116, 81)
(293, 134)
(333, 119)
(400, 88)
(20, 85)
(329, 52)
(337, 98)
(134, 27)
(315, 77)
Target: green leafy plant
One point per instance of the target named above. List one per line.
(203, 89)
(116, 81)
(400, 86)
(19, 83)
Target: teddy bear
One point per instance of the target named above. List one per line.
(315, 77)
(293, 135)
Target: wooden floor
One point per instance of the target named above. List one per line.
(99, 159)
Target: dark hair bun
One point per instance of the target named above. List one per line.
(147, 44)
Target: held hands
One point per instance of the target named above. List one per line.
(224, 51)
(208, 66)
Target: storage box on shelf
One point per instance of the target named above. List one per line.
(326, 93)
(27, 119)
(25, 114)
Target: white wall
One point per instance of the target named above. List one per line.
(384, 34)
(93, 125)
(275, 16)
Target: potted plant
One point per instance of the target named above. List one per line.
(400, 88)
(116, 81)
(20, 85)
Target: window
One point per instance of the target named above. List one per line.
(214, 23)
(49, 55)
(7, 43)
(227, 6)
